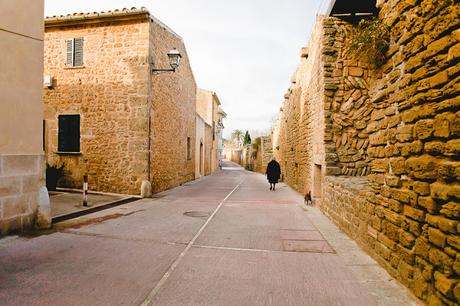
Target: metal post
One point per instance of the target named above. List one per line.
(85, 190)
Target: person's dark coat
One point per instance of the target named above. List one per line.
(273, 172)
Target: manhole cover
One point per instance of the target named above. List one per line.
(196, 214)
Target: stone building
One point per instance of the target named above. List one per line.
(208, 109)
(220, 132)
(108, 114)
(21, 113)
(378, 145)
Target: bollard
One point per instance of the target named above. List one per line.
(85, 190)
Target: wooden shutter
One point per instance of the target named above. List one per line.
(69, 133)
(78, 52)
(69, 52)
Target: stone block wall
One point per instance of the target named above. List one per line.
(111, 95)
(298, 134)
(414, 147)
(173, 112)
(387, 141)
(135, 125)
(257, 155)
(207, 149)
(21, 176)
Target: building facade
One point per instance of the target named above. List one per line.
(108, 115)
(220, 138)
(21, 113)
(208, 109)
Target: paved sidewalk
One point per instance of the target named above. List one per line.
(64, 202)
(221, 240)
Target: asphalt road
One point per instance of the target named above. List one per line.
(222, 240)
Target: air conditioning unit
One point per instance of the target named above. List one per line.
(47, 81)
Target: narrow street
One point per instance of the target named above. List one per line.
(222, 240)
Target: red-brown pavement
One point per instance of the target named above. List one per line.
(222, 240)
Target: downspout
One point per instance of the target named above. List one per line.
(149, 109)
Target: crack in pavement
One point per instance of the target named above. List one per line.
(120, 238)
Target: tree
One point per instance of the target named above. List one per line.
(237, 137)
(247, 139)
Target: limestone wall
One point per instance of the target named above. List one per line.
(257, 155)
(266, 154)
(199, 145)
(386, 140)
(21, 113)
(111, 95)
(298, 135)
(173, 116)
(414, 144)
(135, 125)
(208, 149)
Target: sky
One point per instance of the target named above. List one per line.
(244, 50)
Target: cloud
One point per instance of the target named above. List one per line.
(246, 51)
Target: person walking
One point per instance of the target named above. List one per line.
(273, 173)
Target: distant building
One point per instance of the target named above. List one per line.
(220, 131)
(106, 113)
(21, 113)
(209, 111)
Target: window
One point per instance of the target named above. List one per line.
(189, 148)
(74, 52)
(69, 133)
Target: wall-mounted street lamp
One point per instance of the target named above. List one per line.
(174, 60)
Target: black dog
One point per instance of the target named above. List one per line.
(308, 200)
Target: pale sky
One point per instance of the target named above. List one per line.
(244, 50)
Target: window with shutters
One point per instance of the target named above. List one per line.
(69, 133)
(74, 52)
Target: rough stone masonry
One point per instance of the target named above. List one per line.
(135, 125)
(379, 147)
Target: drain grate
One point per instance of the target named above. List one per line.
(196, 214)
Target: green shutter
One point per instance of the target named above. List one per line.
(78, 52)
(69, 52)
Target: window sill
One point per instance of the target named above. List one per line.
(76, 67)
(69, 153)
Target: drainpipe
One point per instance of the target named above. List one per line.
(149, 114)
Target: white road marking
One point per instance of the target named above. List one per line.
(165, 277)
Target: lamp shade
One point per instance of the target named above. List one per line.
(174, 58)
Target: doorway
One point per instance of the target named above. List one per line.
(317, 180)
(201, 158)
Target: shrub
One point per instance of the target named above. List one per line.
(369, 40)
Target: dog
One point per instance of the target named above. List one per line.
(308, 200)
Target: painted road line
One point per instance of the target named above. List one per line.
(165, 277)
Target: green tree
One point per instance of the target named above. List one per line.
(247, 139)
(237, 137)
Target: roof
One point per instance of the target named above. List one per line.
(117, 15)
(352, 9)
(221, 111)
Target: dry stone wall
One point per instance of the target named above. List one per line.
(347, 104)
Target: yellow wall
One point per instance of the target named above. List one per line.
(21, 76)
